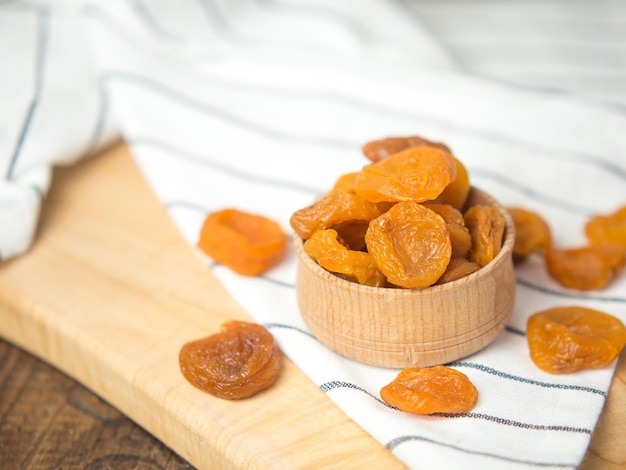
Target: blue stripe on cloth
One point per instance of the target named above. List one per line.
(40, 56)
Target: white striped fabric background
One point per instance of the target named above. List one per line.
(261, 104)
(574, 46)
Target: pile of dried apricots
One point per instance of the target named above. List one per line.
(589, 267)
(401, 222)
(567, 339)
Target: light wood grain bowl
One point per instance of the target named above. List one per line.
(398, 328)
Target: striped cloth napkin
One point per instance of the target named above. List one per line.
(261, 104)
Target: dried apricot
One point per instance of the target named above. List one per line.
(325, 248)
(352, 233)
(237, 362)
(486, 226)
(410, 244)
(586, 268)
(568, 339)
(532, 233)
(460, 237)
(249, 244)
(450, 214)
(332, 209)
(457, 268)
(456, 193)
(607, 229)
(418, 174)
(438, 389)
(345, 183)
(380, 149)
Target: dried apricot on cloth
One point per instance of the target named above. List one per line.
(586, 268)
(568, 339)
(334, 208)
(379, 149)
(417, 174)
(486, 226)
(438, 389)
(410, 244)
(608, 229)
(249, 244)
(237, 362)
(325, 248)
(532, 233)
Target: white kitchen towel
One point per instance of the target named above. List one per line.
(261, 104)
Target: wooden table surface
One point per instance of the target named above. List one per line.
(49, 420)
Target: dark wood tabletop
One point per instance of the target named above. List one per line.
(49, 421)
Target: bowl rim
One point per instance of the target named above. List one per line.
(505, 250)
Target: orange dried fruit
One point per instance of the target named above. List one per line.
(325, 248)
(237, 362)
(449, 213)
(410, 244)
(345, 183)
(461, 240)
(332, 209)
(428, 390)
(352, 233)
(457, 268)
(486, 226)
(417, 174)
(532, 233)
(456, 193)
(460, 237)
(380, 149)
(608, 229)
(249, 244)
(586, 268)
(568, 339)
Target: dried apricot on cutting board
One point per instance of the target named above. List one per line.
(417, 174)
(410, 244)
(237, 362)
(249, 244)
(586, 268)
(568, 339)
(532, 233)
(438, 389)
(608, 229)
(326, 248)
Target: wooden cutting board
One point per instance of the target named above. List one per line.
(110, 291)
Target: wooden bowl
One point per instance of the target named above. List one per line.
(392, 327)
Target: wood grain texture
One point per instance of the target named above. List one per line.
(108, 294)
(48, 420)
(607, 450)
